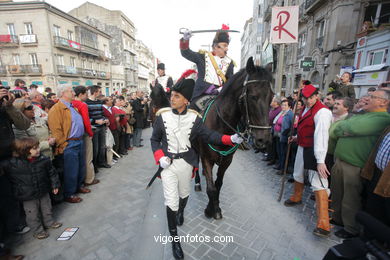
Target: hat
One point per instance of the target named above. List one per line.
(185, 87)
(222, 35)
(308, 91)
(161, 66)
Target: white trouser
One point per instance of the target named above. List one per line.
(317, 182)
(176, 181)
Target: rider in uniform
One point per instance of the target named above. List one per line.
(214, 68)
(173, 132)
(164, 80)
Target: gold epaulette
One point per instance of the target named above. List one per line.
(195, 112)
(202, 51)
(162, 110)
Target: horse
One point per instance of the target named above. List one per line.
(159, 100)
(246, 98)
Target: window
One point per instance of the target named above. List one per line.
(321, 29)
(73, 62)
(60, 59)
(378, 13)
(11, 29)
(57, 30)
(33, 59)
(83, 64)
(377, 57)
(29, 28)
(16, 59)
(70, 35)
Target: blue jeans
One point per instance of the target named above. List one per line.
(74, 167)
(137, 136)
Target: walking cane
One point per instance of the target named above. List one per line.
(288, 149)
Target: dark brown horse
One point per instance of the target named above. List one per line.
(159, 100)
(245, 98)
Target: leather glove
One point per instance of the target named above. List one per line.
(236, 139)
(187, 35)
(165, 161)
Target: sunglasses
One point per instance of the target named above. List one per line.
(31, 107)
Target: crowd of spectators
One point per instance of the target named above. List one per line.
(52, 145)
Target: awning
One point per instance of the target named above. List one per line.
(371, 68)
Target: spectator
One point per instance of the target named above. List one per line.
(52, 96)
(66, 125)
(138, 107)
(371, 90)
(118, 112)
(32, 177)
(356, 137)
(313, 127)
(98, 122)
(37, 99)
(130, 122)
(344, 85)
(79, 103)
(330, 99)
(37, 129)
(285, 131)
(271, 148)
(47, 105)
(47, 91)
(10, 219)
(33, 87)
(358, 108)
(20, 85)
(114, 122)
(377, 172)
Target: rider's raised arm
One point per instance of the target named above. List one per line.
(187, 53)
(209, 136)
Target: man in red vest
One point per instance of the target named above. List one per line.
(313, 134)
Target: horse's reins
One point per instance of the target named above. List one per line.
(243, 96)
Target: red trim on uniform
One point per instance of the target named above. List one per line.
(227, 140)
(184, 45)
(194, 169)
(158, 154)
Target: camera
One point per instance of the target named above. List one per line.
(17, 93)
(6, 88)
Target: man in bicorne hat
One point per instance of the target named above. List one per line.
(214, 68)
(173, 131)
(313, 135)
(164, 80)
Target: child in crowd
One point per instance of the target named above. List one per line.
(32, 177)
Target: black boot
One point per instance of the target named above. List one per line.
(176, 247)
(180, 212)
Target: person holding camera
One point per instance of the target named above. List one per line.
(344, 86)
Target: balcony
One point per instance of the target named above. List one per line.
(89, 50)
(28, 39)
(3, 71)
(33, 70)
(68, 71)
(63, 43)
(7, 40)
(88, 73)
(104, 55)
(103, 75)
(312, 5)
(16, 70)
(320, 42)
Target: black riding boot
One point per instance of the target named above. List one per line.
(176, 247)
(180, 212)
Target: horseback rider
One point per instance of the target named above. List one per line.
(173, 131)
(164, 80)
(214, 68)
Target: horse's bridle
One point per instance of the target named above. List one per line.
(244, 98)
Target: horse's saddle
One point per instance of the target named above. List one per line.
(203, 102)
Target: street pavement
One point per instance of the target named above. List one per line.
(120, 219)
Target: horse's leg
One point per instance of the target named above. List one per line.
(198, 187)
(218, 185)
(211, 190)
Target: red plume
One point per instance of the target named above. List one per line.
(225, 27)
(186, 74)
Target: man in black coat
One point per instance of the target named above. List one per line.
(138, 108)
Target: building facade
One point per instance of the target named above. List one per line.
(124, 63)
(327, 35)
(48, 47)
(146, 66)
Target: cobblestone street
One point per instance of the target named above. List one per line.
(119, 219)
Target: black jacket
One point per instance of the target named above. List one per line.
(138, 109)
(31, 180)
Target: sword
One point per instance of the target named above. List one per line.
(182, 30)
(157, 174)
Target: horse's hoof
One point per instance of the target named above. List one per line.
(198, 187)
(217, 215)
(207, 213)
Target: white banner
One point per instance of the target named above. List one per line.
(28, 38)
(284, 24)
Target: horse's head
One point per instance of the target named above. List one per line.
(255, 101)
(159, 100)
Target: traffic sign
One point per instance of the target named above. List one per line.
(307, 63)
